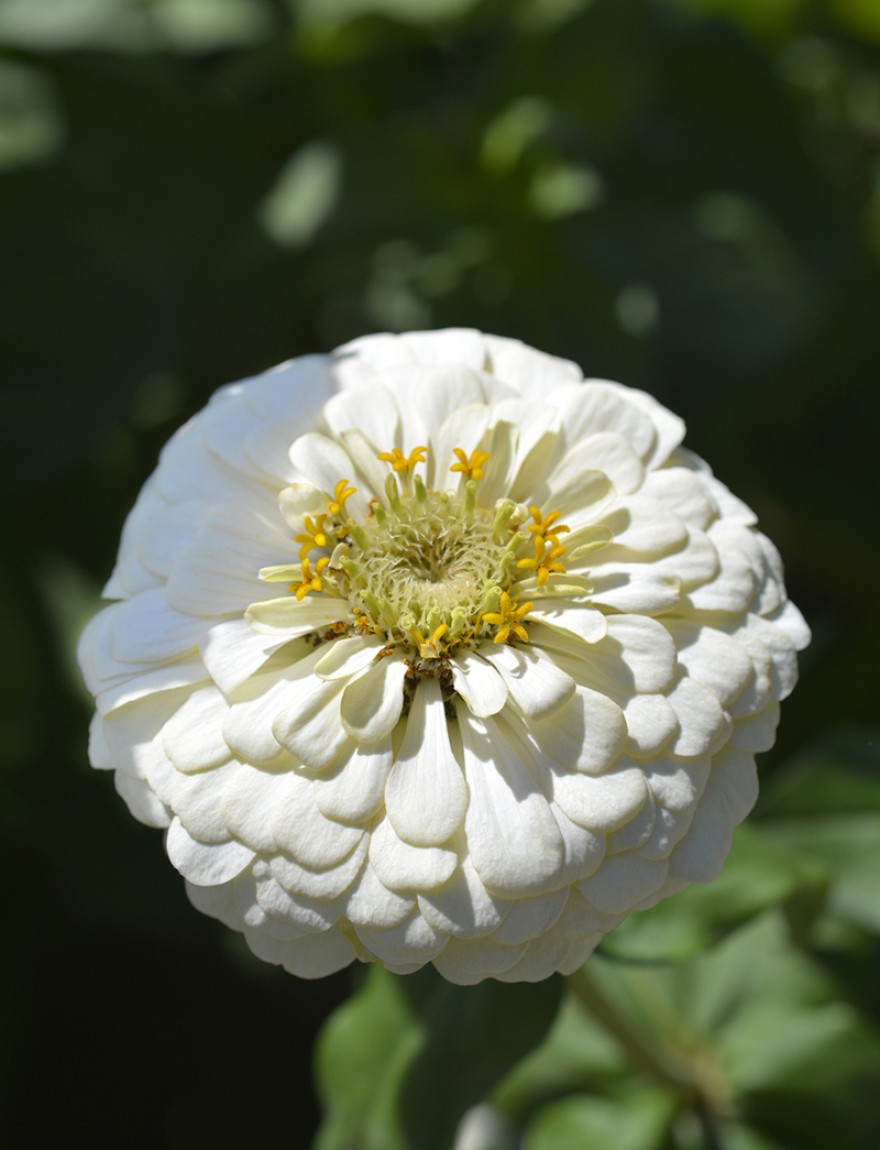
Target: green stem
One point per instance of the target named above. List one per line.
(665, 1066)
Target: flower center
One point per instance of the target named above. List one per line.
(431, 560)
(427, 570)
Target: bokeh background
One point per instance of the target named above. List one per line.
(683, 195)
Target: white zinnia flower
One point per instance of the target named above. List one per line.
(432, 651)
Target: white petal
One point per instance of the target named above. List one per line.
(371, 705)
(370, 410)
(309, 726)
(402, 867)
(467, 963)
(372, 904)
(622, 881)
(324, 884)
(426, 796)
(477, 682)
(757, 732)
(203, 864)
(404, 947)
(146, 630)
(533, 373)
(735, 773)
(463, 907)
(701, 854)
(193, 738)
(601, 802)
(651, 725)
(249, 803)
(587, 734)
(535, 683)
(314, 956)
(531, 917)
(303, 832)
(515, 844)
(354, 789)
(323, 463)
(344, 658)
(703, 725)
(232, 651)
(289, 617)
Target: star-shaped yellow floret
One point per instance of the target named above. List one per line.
(313, 536)
(341, 492)
(471, 468)
(509, 618)
(311, 580)
(545, 561)
(547, 528)
(401, 462)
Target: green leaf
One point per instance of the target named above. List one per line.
(401, 1062)
(638, 1120)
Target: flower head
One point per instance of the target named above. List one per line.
(432, 651)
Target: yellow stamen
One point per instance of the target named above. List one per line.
(430, 648)
(341, 492)
(509, 618)
(547, 528)
(311, 580)
(401, 462)
(471, 468)
(314, 536)
(544, 561)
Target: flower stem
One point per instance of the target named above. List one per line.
(665, 1066)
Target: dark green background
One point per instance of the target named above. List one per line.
(684, 196)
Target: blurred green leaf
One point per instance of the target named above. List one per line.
(638, 1120)
(405, 1058)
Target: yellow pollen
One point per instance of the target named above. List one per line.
(311, 581)
(314, 536)
(401, 462)
(341, 492)
(509, 618)
(430, 648)
(545, 560)
(471, 468)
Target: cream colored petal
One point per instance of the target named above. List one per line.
(467, 963)
(404, 947)
(756, 732)
(703, 725)
(405, 868)
(288, 617)
(193, 737)
(535, 683)
(622, 881)
(323, 462)
(701, 854)
(514, 842)
(320, 884)
(426, 796)
(248, 806)
(354, 789)
(601, 802)
(651, 723)
(301, 831)
(370, 410)
(309, 725)
(735, 773)
(232, 651)
(477, 682)
(463, 907)
(314, 956)
(586, 734)
(205, 864)
(372, 904)
(372, 704)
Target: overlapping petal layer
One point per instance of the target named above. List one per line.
(491, 797)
